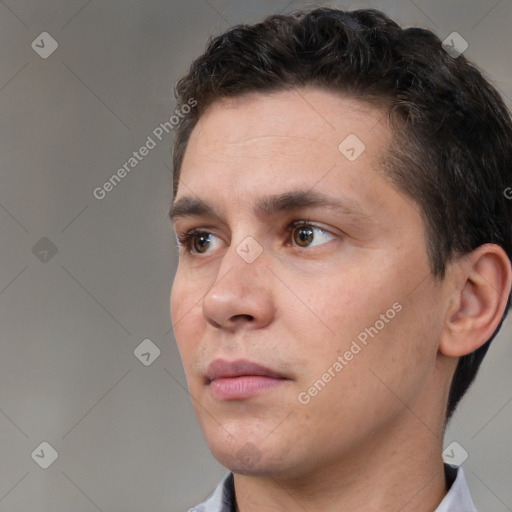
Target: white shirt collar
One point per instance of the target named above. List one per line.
(458, 498)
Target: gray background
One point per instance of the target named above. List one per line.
(125, 433)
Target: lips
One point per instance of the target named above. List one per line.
(226, 369)
(241, 379)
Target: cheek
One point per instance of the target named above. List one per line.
(343, 305)
(185, 308)
(186, 296)
(357, 386)
(177, 306)
(371, 316)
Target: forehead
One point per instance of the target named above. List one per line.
(267, 143)
(310, 113)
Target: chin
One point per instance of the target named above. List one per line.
(249, 462)
(245, 457)
(248, 446)
(239, 453)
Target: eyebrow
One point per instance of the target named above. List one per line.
(270, 205)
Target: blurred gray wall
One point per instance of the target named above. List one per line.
(84, 281)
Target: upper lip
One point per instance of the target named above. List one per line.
(220, 368)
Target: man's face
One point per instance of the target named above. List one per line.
(352, 286)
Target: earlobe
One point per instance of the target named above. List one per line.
(482, 286)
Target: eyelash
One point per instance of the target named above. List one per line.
(187, 239)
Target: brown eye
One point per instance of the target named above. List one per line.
(307, 235)
(303, 235)
(201, 242)
(198, 242)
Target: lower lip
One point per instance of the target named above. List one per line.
(237, 388)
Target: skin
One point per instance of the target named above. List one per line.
(371, 439)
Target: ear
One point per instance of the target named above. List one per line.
(482, 281)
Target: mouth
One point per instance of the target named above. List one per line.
(240, 379)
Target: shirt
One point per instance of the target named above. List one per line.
(458, 498)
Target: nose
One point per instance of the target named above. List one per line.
(241, 297)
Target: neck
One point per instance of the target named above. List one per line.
(394, 472)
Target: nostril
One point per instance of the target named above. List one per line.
(243, 317)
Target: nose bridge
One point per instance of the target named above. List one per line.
(242, 266)
(240, 289)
